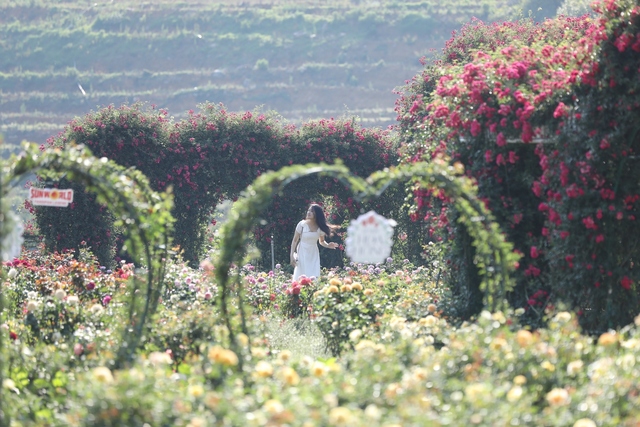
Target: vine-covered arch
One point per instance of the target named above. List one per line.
(210, 156)
(142, 212)
(495, 259)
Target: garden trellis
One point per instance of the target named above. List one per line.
(495, 259)
(144, 213)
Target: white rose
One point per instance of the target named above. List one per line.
(59, 294)
(32, 306)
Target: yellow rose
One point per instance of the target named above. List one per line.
(259, 352)
(290, 376)
(373, 412)
(431, 308)
(520, 380)
(574, 367)
(356, 286)
(333, 289)
(498, 344)
(558, 397)
(273, 406)
(475, 392)
(319, 369)
(335, 282)
(195, 390)
(607, 339)
(263, 369)
(340, 416)
(562, 317)
(103, 375)
(584, 422)
(458, 168)
(157, 358)
(499, 316)
(197, 422)
(229, 358)
(284, 355)
(548, 366)
(428, 321)
(524, 338)
(243, 339)
(211, 400)
(515, 393)
(368, 292)
(345, 288)
(222, 356)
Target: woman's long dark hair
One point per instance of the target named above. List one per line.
(322, 221)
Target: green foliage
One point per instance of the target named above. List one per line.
(594, 174)
(415, 362)
(130, 136)
(343, 306)
(262, 64)
(494, 259)
(206, 158)
(473, 105)
(404, 369)
(126, 192)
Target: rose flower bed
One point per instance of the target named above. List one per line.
(401, 356)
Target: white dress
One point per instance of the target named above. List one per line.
(308, 263)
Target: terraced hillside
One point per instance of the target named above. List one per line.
(302, 58)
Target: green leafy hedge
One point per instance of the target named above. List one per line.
(210, 156)
(543, 118)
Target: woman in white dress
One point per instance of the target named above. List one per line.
(305, 257)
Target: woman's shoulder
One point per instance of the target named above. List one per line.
(302, 223)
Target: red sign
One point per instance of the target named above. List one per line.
(50, 197)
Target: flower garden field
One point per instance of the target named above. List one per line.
(511, 296)
(365, 345)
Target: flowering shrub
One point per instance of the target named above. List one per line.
(538, 116)
(404, 358)
(226, 151)
(482, 104)
(588, 189)
(60, 297)
(298, 297)
(132, 137)
(210, 156)
(351, 303)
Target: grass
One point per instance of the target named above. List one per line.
(301, 337)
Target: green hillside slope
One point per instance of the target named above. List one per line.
(305, 59)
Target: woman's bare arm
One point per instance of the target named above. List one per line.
(329, 245)
(294, 245)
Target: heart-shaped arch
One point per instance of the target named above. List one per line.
(494, 256)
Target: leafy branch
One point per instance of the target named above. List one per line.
(144, 213)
